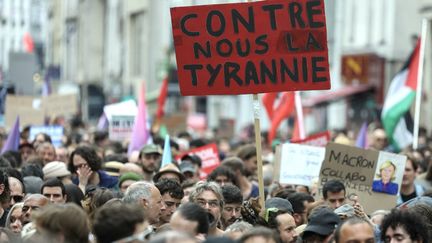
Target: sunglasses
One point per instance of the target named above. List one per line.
(17, 198)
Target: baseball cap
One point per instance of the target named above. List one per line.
(194, 159)
(187, 166)
(279, 203)
(346, 210)
(151, 149)
(323, 221)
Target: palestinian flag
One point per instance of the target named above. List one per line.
(395, 115)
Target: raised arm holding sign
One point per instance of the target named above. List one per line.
(251, 48)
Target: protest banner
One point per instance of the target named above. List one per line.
(209, 156)
(250, 48)
(319, 139)
(356, 168)
(300, 164)
(56, 105)
(120, 127)
(124, 108)
(55, 132)
(28, 108)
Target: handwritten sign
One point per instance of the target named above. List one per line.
(356, 168)
(209, 156)
(254, 47)
(300, 164)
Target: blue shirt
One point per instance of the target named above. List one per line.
(389, 188)
(105, 180)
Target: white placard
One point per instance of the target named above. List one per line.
(300, 164)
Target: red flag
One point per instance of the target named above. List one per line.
(282, 112)
(28, 43)
(268, 100)
(162, 98)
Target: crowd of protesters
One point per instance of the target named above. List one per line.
(90, 190)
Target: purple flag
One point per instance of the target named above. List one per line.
(103, 123)
(13, 139)
(362, 139)
(140, 133)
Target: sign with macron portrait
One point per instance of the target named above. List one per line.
(374, 176)
(250, 48)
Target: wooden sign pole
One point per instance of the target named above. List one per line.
(256, 107)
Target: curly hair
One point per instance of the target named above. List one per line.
(89, 155)
(173, 188)
(414, 225)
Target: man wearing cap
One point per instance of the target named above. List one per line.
(278, 215)
(128, 179)
(150, 158)
(169, 171)
(321, 226)
(190, 166)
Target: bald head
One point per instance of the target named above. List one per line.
(32, 203)
(16, 190)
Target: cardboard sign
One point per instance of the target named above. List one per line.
(319, 139)
(55, 132)
(120, 127)
(55, 105)
(254, 47)
(175, 123)
(209, 155)
(300, 164)
(356, 168)
(28, 108)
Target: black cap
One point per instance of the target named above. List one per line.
(279, 203)
(323, 221)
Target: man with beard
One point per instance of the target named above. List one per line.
(232, 207)
(278, 214)
(150, 158)
(209, 196)
(172, 194)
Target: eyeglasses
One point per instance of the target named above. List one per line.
(80, 165)
(16, 198)
(212, 203)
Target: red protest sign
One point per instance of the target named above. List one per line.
(254, 47)
(209, 156)
(319, 139)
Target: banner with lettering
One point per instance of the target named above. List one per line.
(209, 156)
(365, 173)
(253, 47)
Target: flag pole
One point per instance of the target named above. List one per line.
(256, 107)
(420, 82)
